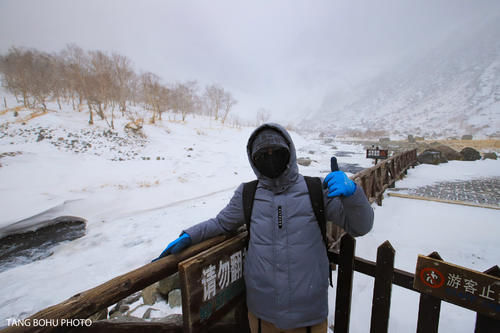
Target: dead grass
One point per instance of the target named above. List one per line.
(14, 109)
(33, 115)
(476, 144)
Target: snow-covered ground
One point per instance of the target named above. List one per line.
(184, 174)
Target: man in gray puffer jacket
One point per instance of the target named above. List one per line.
(286, 268)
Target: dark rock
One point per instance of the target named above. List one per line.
(147, 314)
(101, 315)
(150, 294)
(467, 137)
(174, 319)
(305, 161)
(384, 139)
(174, 298)
(490, 156)
(344, 153)
(168, 284)
(132, 298)
(447, 152)
(123, 308)
(349, 167)
(429, 157)
(470, 154)
(442, 157)
(411, 138)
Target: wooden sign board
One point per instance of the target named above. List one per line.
(212, 282)
(377, 153)
(458, 285)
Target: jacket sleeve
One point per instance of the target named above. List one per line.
(354, 214)
(228, 219)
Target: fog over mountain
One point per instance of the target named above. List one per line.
(399, 65)
(451, 90)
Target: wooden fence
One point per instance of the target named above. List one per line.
(385, 276)
(382, 176)
(91, 301)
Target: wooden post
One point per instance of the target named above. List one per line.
(381, 303)
(344, 284)
(85, 304)
(429, 309)
(486, 324)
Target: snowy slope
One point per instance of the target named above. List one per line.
(451, 90)
(181, 174)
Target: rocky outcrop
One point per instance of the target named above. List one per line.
(490, 156)
(447, 152)
(470, 154)
(429, 157)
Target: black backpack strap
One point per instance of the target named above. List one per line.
(249, 190)
(315, 188)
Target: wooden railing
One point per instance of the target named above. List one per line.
(382, 176)
(89, 302)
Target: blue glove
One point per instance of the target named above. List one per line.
(184, 241)
(339, 184)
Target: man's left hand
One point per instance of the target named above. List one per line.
(339, 184)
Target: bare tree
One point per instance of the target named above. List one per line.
(151, 94)
(60, 84)
(263, 116)
(75, 69)
(228, 102)
(42, 77)
(122, 75)
(186, 98)
(214, 94)
(16, 74)
(29, 73)
(101, 72)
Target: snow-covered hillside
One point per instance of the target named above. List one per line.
(138, 192)
(451, 90)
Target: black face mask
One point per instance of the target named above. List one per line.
(272, 163)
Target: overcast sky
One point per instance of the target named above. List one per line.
(280, 55)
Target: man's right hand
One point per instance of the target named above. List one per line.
(181, 243)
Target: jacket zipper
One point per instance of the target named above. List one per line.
(280, 217)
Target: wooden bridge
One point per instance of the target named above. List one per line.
(202, 310)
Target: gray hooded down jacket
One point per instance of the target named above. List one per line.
(286, 269)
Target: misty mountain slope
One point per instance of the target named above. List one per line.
(453, 89)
